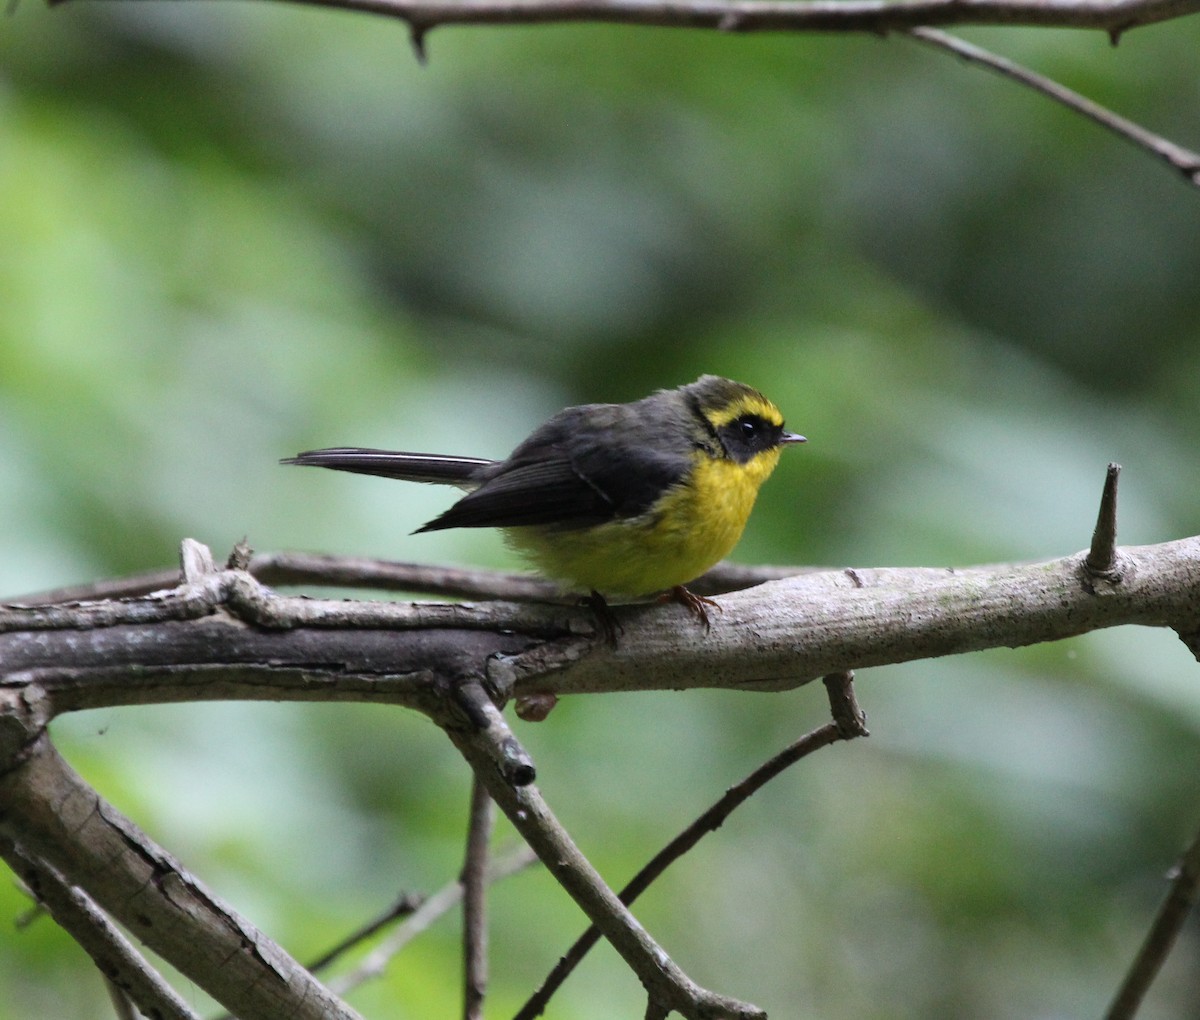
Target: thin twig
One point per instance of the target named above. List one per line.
(709, 821)
(405, 906)
(474, 883)
(295, 569)
(1185, 889)
(430, 910)
(1185, 161)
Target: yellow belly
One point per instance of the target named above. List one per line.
(689, 530)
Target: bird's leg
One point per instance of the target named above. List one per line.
(605, 620)
(693, 603)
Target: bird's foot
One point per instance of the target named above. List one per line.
(693, 603)
(605, 620)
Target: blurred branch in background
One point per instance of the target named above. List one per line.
(1163, 934)
(1112, 16)
(433, 907)
(294, 569)
(1175, 156)
(914, 17)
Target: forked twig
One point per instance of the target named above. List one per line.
(431, 909)
(848, 723)
(405, 906)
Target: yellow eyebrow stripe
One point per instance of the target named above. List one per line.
(749, 404)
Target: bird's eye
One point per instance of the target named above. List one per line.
(746, 437)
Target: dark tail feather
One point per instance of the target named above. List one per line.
(412, 467)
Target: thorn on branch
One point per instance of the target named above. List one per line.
(417, 31)
(1101, 559)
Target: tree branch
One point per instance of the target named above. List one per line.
(228, 637)
(918, 18)
(129, 976)
(877, 16)
(785, 633)
(222, 634)
(308, 569)
(49, 811)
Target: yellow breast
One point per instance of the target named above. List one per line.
(691, 528)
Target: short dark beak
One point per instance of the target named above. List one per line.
(792, 437)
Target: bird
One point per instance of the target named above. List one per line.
(622, 501)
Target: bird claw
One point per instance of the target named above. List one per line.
(693, 603)
(609, 628)
(605, 620)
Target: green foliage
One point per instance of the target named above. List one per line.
(228, 233)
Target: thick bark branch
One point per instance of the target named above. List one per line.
(227, 637)
(48, 811)
(786, 633)
(130, 977)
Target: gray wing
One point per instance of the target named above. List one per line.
(585, 466)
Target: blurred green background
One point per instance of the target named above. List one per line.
(231, 232)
